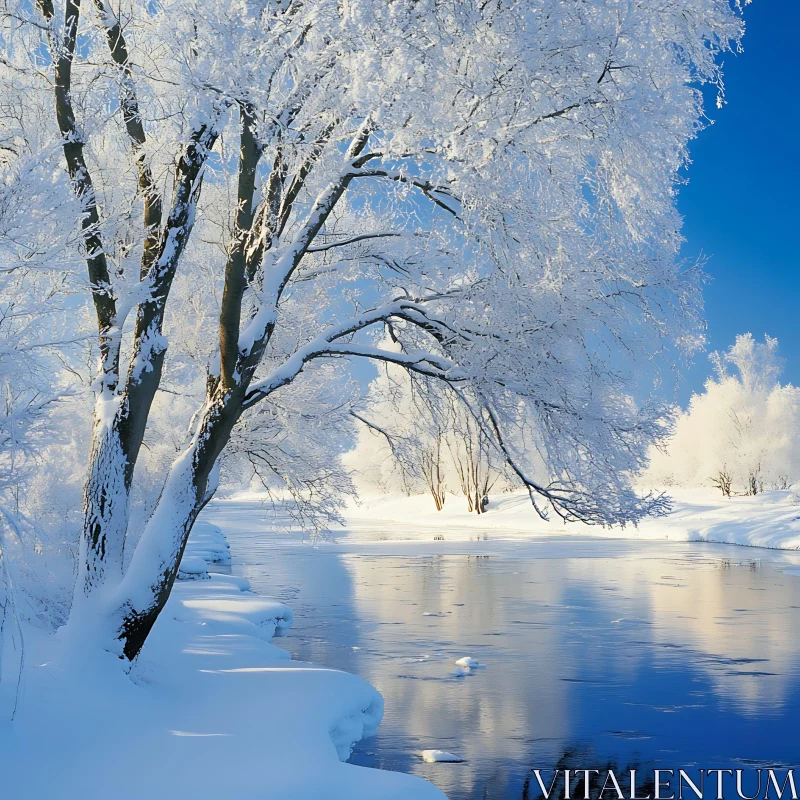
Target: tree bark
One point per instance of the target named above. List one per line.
(149, 579)
(230, 317)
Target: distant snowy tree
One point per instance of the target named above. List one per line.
(742, 434)
(400, 444)
(415, 438)
(35, 279)
(492, 182)
(475, 456)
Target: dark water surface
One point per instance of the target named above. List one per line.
(650, 653)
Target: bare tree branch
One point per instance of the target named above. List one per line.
(321, 248)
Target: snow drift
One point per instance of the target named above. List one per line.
(211, 709)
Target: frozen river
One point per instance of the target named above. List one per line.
(596, 651)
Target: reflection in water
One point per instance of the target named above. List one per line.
(670, 655)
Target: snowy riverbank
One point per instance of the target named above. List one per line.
(212, 709)
(771, 519)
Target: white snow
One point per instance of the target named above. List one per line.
(193, 568)
(211, 710)
(208, 542)
(436, 756)
(207, 545)
(770, 519)
(469, 662)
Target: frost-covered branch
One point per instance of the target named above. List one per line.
(441, 196)
(328, 344)
(135, 128)
(348, 240)
(62, 52)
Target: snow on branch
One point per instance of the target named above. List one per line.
(327, 344)
(347, 240)
(441, 196)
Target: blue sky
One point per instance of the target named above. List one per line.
(741, 205)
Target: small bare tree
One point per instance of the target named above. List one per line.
(432, 466)
(755, 481)
(782, 482)
(473, 457)
(723, 481)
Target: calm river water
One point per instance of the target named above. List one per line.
(596, 652)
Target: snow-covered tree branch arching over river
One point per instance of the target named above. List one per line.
(491, 184)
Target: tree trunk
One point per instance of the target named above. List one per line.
(148, 581)
(106, 504)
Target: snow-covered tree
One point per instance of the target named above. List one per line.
(492, 182)
(742, 434)
(36, 269)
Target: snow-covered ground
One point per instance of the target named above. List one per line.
(771, 519)
(211, 710)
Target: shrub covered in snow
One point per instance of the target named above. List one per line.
(742, 433)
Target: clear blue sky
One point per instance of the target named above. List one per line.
(741, 206)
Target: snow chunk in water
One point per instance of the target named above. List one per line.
(469, 661)
(434, 756)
